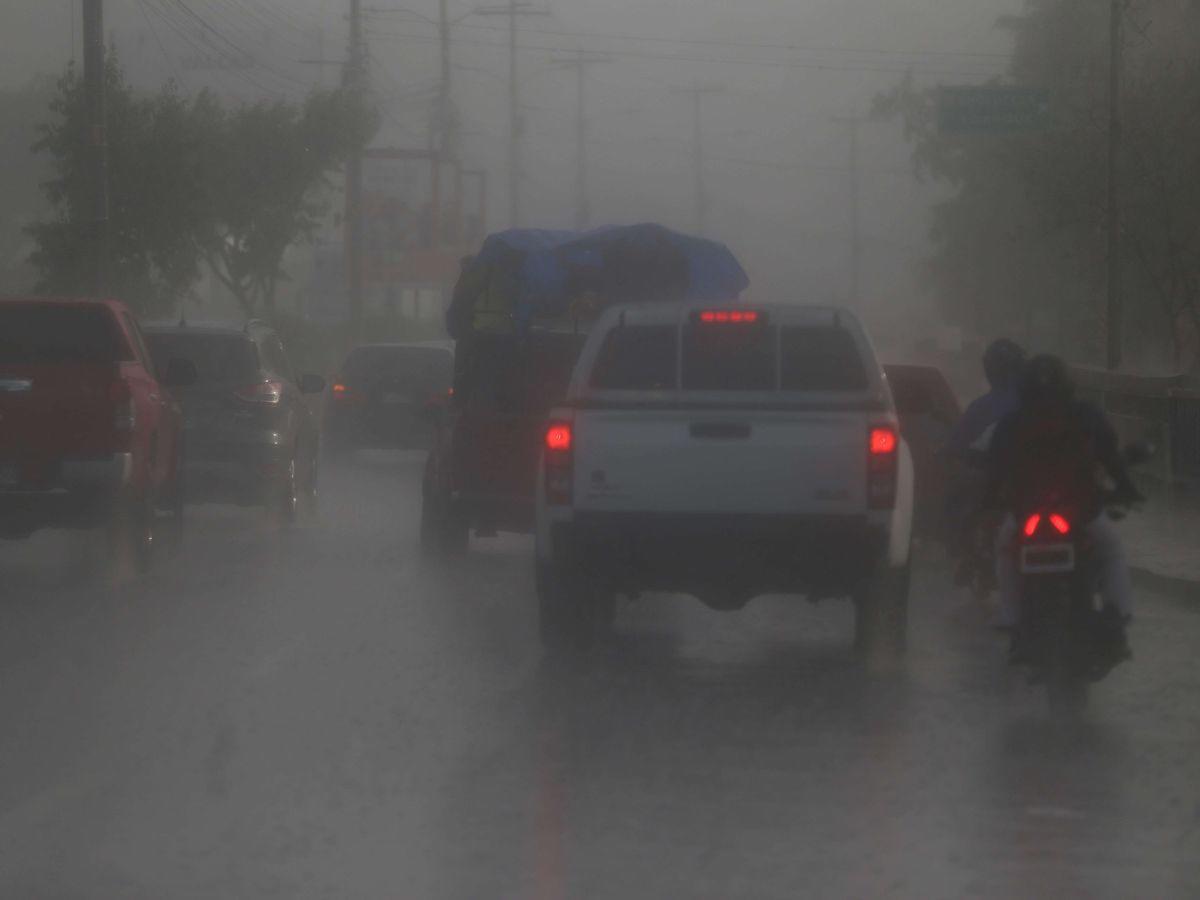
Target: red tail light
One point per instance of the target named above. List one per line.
(730, 316)
(883, 441)
(558, 437)
(1032, 523)
(559, 463)
(883, 467)
(1060, 523)
(346, 395)
(270, 392)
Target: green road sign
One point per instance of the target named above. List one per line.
(992, 110)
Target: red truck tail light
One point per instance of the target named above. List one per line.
(559, 439)
(883, 467)
(270, 391)
(729, 316)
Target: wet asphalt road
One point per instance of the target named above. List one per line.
(316, 713)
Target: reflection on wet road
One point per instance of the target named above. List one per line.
(318, 713)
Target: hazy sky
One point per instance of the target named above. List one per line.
(777, 162)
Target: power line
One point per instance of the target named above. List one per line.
(207, 26)
(141, 4)
(168, 17)
(242, 11)
(710, 60)
(757, 45)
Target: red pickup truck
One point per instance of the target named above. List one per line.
(89, 434)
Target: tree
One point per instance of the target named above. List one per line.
(267, 163)
(157, 201)
(1020, 239)
(21, 109)
(191, 182)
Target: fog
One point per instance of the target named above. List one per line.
(775, 137)
(353, 546)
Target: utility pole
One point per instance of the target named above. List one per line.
(97, 141)
(354, 79)
(700, 189)
(447, 140)
(852, 122)
(513, 9)
(1115, 307)
(579, 64)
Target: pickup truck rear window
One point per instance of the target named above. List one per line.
(218, 358)
(728, 357)
(418, 365)
(820, 358)
(637, 358)
(46, 333)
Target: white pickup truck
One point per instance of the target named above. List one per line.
(724, 453)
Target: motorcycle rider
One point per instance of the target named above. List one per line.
(1003, 361)
(1051, 446)
(967, 443)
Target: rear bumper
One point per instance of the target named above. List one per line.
(74, 493)
(496, 512)
(368, 429)
(742, 554)
(243, 472)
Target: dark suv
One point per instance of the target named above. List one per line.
(381, 394)
(252, 436)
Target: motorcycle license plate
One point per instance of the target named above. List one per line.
(1042, 559)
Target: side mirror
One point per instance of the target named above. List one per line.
(180, 373)
(311, 384)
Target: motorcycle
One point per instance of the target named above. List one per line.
(1070, 641)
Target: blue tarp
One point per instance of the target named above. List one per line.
(526, 274)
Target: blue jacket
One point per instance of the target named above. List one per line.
(982, 414)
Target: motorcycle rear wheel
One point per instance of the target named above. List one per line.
(1066, 695)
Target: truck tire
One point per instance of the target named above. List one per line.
(1066, 695)
(881, 613)
(444, 532)
(287, 500)
(572, 610)
(133, 534)
(311, 500)
(172, 529)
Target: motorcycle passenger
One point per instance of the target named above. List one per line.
(1051, 446)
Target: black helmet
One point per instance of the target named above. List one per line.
(1003, 361)
(1046, 382)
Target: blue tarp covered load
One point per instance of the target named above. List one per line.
(523, 275)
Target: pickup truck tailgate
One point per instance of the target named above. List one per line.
(51, 412)
(714, 461)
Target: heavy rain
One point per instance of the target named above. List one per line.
(612, 449)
